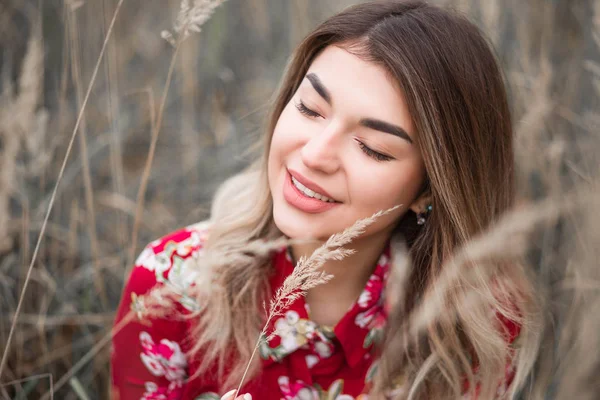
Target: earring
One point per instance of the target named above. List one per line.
(422, 215)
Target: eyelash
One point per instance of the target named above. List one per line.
(372, 153)
(368, 151)
(306, 111)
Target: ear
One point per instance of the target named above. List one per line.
(421, 202)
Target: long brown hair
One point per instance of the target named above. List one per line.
(456, 97)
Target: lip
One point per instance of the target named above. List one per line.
(310, 184)
(299, 200)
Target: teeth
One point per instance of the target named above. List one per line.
(310, 193)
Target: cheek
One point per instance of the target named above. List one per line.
(282, 143)
(380, 187)
(287, 134)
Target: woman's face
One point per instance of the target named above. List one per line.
(346, 134)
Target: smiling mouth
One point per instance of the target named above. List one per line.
(304, 200)
(309, 193)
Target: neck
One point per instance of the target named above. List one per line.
(329, 302)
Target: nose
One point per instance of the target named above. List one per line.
(322, 150)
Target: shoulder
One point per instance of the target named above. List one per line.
(170, 260)
(185, 242)
(148, 359)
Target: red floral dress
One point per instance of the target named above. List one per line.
(302, 361)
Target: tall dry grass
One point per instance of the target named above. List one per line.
(163, 125)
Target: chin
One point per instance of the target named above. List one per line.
(297, 227)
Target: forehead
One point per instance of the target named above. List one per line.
(360, 86)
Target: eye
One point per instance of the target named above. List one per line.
(372, 153)
(307, 111)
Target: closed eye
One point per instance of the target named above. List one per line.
(307, 111)
(372, 153)
(367, 150)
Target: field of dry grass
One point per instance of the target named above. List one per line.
(162, 126)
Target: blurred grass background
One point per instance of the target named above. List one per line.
(222, 83)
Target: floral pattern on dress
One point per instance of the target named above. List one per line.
(171, 261)
(295, 333)
(299, 390)
(154, 392)
(371, 303)
(164, 359)
(178, 260)
(208, 396)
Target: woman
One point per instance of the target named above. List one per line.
(385, 103)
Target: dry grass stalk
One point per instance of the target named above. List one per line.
(507, 239)
(573, 362)
(307, 274)
(399, 274)
(74, 35)
(18, 119)
(113, 107)
(160, 302)
(535, 102)
(308, 271)
(190, 19)
(89, 355)
(577, 364)
(61, 172)
(31, 378)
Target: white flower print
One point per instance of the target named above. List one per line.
(296, 390)
(370, 302)
(287, 330)
(292, 317)
(155, 392)
(146, 259)
(157, 263)
(186, 246)
(364, 299)
(165, 359)
(364, 318)
(299, 390)
(322, 349)
(311, 360)
(183, 274)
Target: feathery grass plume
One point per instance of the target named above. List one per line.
(18, 120)
(399, 273)
(504, 240)
(27, 100)
(191, 18)
(394, 339)
(572, 360)
(474, 263)
(8, 159)
(74, 4)
(578, 359)
(307, 274)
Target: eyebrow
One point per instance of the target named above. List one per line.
(319, 87)
(371, 123)
(385, 127)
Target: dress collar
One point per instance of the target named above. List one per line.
(362, 326)
(357, 331)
